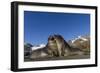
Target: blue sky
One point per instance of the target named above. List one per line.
(39, 25)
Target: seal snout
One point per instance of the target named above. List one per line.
(52, 38)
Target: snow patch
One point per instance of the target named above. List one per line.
(38, 47)
(79, 37)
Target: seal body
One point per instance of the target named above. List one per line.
(63, 46)
(52, 46)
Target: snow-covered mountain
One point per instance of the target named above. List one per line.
(82, 42)
(35, 47)
(81, 38)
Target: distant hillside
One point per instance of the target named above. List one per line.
(82, 42)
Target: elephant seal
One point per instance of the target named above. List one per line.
(52, 46)
(56, 45)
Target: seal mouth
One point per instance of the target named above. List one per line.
(51, 38)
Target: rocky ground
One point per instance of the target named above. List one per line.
(60, 58)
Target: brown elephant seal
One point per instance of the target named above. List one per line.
(52, 46)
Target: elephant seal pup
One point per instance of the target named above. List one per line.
(52, 46)
(64, 49)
